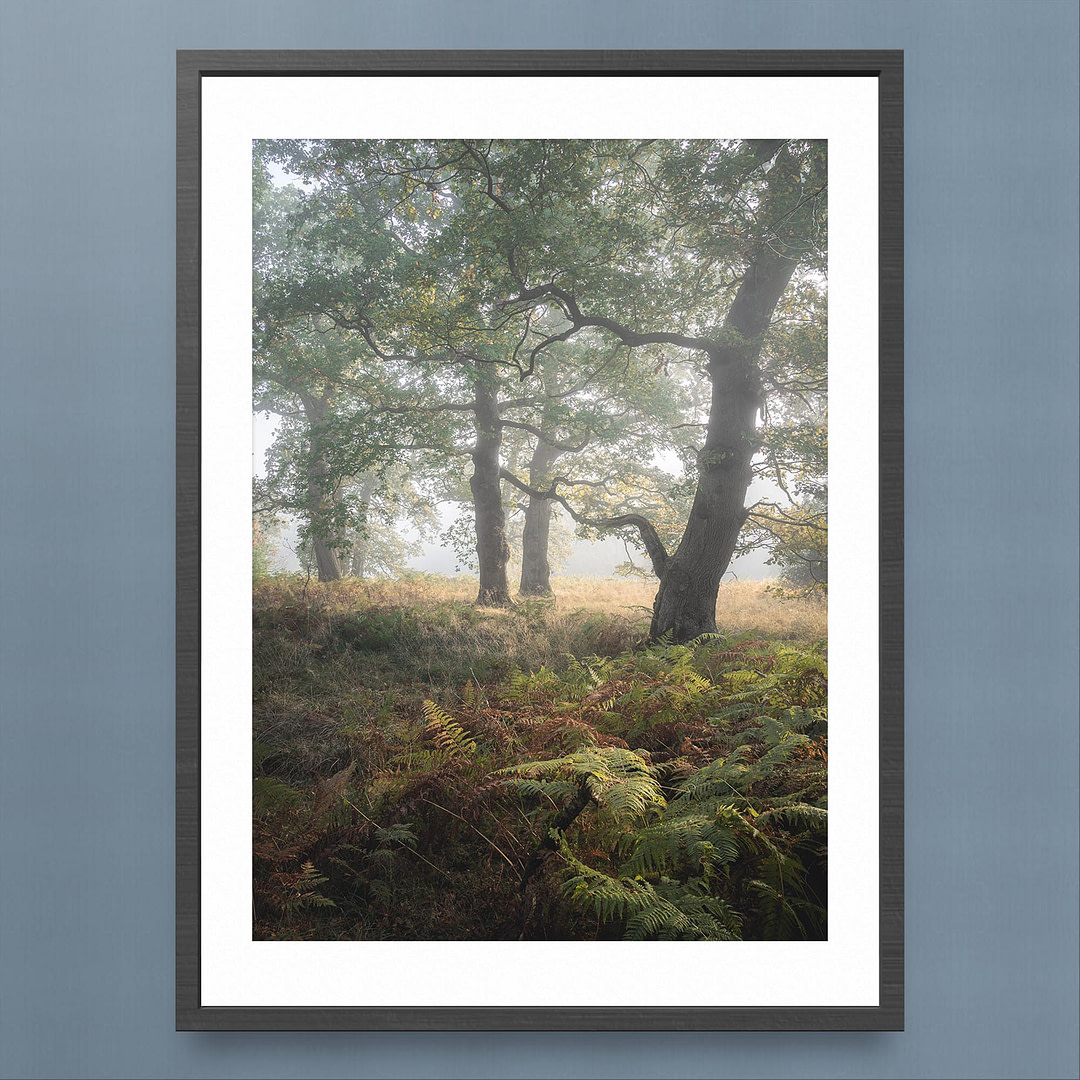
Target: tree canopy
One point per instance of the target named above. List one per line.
(630, 330)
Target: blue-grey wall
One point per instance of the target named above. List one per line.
(86, 535)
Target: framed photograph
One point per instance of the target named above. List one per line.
(518, 396)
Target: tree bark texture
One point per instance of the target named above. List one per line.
(535, 567)
(492, 547)
(319, 498)
(326, 561)
(685, 604)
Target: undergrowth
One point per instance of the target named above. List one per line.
(427, 770)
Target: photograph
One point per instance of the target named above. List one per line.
(539, 539)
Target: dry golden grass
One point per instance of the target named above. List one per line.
(750, 605)
(742, 606)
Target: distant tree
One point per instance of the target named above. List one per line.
(338, 409)
(264, 533)
(798, 541)
(394, 518)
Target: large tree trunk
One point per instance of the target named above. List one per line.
(319, 498)
(492, 548)
(685, 604)
(535, 568)
(326, 560)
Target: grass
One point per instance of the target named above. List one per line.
(742, 606)
(387, 713)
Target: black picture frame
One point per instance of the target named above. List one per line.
(192, 68)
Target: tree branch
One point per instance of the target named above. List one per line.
(794, 522)
(449, 407)
(571, 448)
(482, 161)
(649, 536)
(579, 321)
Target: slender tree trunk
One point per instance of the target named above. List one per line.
(357, 560)
(319, 498)
(685, 604)
(358, 554)
(536, 535)
(535, 568)
(492, 548)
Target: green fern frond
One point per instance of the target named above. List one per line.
(447, 734)
(799, 816)
(304, 890)
(470, 695)
(382, 891)
(719, 777)
(270, 794)
(739, 710)
(399, 833)
(701, 839)
(665, 911)
(620, 780)
(784, 917)
(523, 687)
(552, 789)
(780, 752)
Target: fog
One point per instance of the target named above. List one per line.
(587, 558)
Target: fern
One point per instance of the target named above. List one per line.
(801, 817)
(381, 859)
(663, 911)
(400, 833)
(522, 687)
(303, 890)
(618, 780)
(552, 789)
(268, 794)
(698, 836)
(447, 734)
(787, 911)
(470, 695)
(670, 792)
(679, 875)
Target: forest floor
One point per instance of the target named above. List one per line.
(426, 769)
